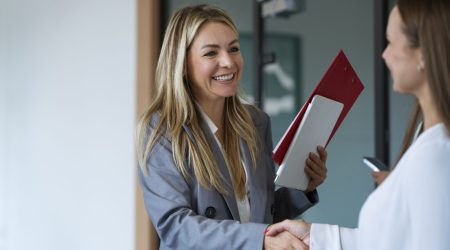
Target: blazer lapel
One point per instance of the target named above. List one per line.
(257, 185)
(230, 199)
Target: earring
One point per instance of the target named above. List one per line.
(420, 66)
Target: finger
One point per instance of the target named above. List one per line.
(306, 240)
(275, 229)
(322, 153)
(317, 161)
(313, 184)
(299, 245)
(292, 241)
(312, 173)
(318, 169)
(376, 175)
(303, 246)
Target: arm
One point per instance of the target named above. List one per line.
(288, 203)
(301, 201)
(168, 199)
(332, 237)
(317, 236)
(427, 197)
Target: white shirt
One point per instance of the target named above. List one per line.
(409, 210)
(244, 204)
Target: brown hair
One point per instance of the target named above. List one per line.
(427, 26)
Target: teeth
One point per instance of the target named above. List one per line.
(224, 77)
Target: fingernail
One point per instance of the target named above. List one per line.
(266, 231)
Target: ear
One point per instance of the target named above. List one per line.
(420, 64)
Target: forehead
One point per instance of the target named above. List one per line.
(394, 22)
(214, 33)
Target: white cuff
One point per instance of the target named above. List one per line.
(324, 237)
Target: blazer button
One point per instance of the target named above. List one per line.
(210, 212)
(272, 209)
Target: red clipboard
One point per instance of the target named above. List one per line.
(340, 83)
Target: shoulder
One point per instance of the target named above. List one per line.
(427, 165)
(153, 120)
(425, 173)
(433, 148)
(154, 124)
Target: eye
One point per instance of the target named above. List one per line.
(234, 49)
(210, 53)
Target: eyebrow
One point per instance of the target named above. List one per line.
(217, 46)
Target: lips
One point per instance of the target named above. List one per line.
(226, 77)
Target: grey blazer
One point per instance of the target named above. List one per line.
(188, 216)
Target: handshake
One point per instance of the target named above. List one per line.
(288, 234)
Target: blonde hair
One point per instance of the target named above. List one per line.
(176, 108)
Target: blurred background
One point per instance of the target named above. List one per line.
(74, 76)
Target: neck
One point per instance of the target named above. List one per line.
(215, 111)
(430, 112)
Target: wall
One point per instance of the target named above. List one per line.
(67, 129)
(2, 131)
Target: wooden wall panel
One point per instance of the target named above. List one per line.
(148, 42)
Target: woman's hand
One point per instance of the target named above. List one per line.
(298, 228)
(316, 168)
(284, 240)
(380, 176)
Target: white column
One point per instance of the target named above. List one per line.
(2, 130)
(70, 98)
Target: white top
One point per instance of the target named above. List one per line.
(409, 210)
(244, 204)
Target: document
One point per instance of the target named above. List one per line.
(341, 84)
(317, 124)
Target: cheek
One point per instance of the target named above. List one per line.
(205, 70)
(240, 66)
(199, 72)
(240, 62)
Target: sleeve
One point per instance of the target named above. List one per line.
(332, 237)
(167, 197)
(428, 199)
(288, 203)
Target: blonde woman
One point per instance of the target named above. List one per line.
(205, 157)
(410, 209)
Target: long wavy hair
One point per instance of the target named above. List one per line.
(427, 26)
(175, 105)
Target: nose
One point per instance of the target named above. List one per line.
(384, 53)
(225, 60)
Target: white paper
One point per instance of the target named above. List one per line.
(315, 128)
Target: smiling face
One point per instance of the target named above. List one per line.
(214, 63)
(402, 60)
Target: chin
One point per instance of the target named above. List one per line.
(398, 89)
(229, 94)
